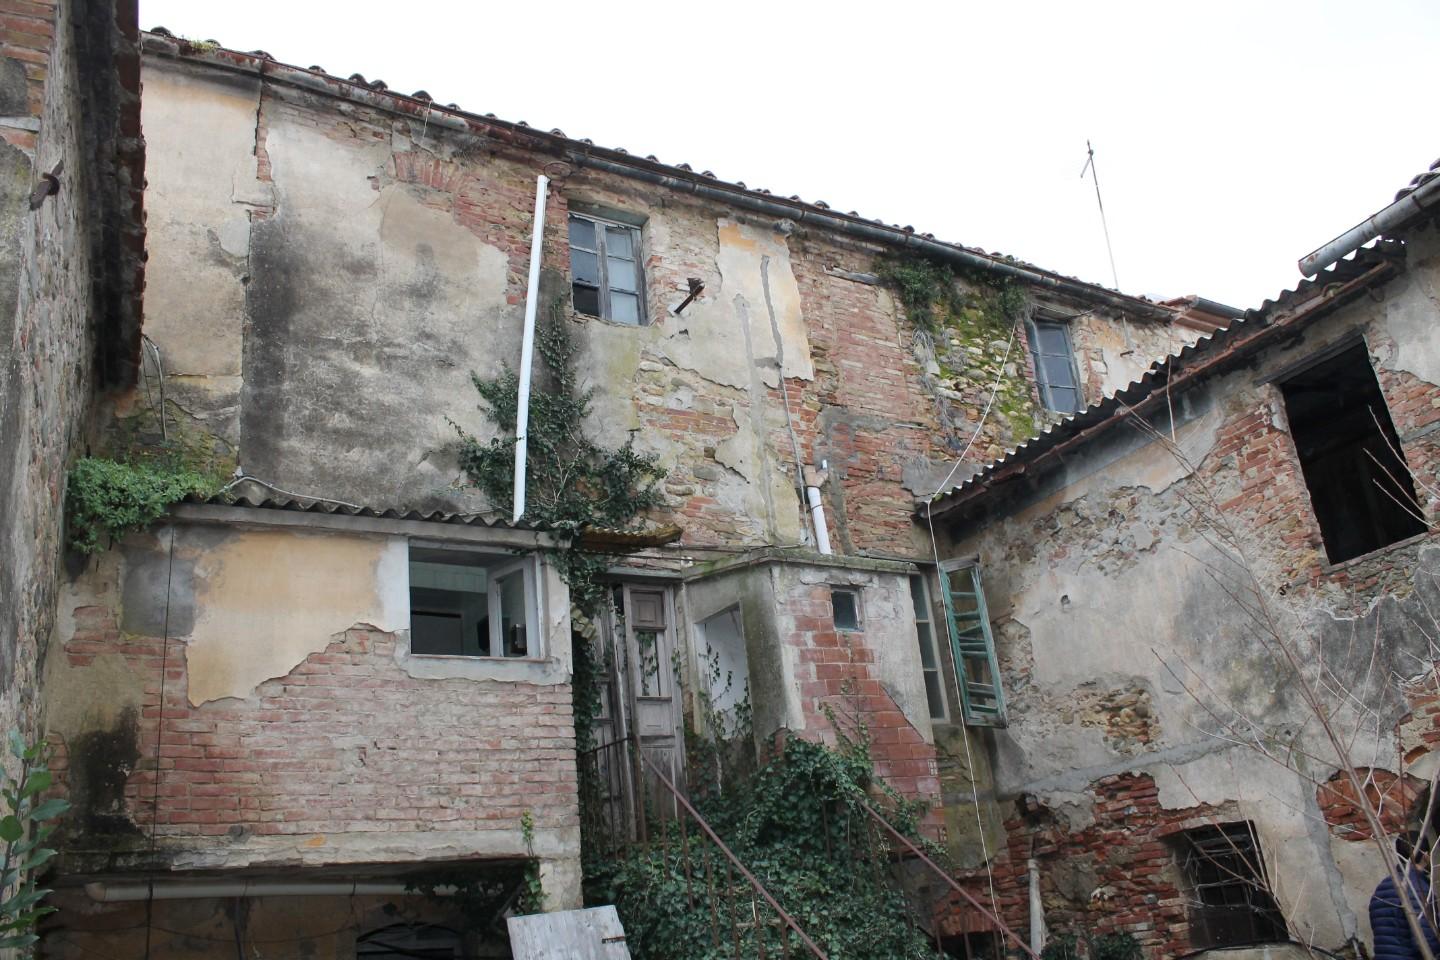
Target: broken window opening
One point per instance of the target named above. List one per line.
(605, 270)
(465, 604)
(1361, 491)
(1230, 899)
(929, 652)
(845, 609)
(1055, 372)
(977, 671)
(409, 940)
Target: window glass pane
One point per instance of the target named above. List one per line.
(582, 233)
(927, 647)
(619, 242)
(585, 267)
(1057, 371)
(1051, 339)
(1063, 399)
(587, 300)
(647, 647)
(624, 308)
(846, 607)
(513, 641)
(934, 695)
(620, 274)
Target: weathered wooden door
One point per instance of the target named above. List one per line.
(648, 632)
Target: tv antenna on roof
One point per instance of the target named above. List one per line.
(1095, 175)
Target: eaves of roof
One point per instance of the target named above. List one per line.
(420, 106)
(311, 505)
(1207, 357)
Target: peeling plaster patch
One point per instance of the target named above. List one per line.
(266, 600)
(1410, 318)
(754, 264)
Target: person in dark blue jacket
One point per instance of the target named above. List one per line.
(1394, 939)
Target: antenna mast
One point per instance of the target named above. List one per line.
(1095, 175)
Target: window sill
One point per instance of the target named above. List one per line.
(439, 666)
(1345, 565)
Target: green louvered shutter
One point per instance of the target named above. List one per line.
(977, 673)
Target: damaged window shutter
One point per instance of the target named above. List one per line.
(977, 672)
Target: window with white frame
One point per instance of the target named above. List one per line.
(605, 274)
(469, 604)
(929, 652)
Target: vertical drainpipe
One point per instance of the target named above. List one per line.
(1037, 908)
(813, 479)
(527, 348)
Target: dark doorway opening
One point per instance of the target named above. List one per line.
(1360, 488)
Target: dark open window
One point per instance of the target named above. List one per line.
(465, 604)
(845, 604)
(1055, 367)
(1230, 901)
(1360, 488)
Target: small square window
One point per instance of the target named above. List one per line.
(465, 604)
(605, 270)
(845, 605)
(1055, 372)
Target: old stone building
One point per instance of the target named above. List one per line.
(265, 681)
(279, 708)
(1188, 585)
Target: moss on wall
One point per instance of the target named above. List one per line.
(963, 325)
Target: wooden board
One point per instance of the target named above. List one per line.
(593, 934)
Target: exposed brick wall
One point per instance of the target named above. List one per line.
(1119, 874)
(346, 743)
(838, 678)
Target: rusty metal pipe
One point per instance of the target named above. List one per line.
(1423, 199)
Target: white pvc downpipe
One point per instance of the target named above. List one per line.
(222, 889)
(813, 479)
(527, 348)
(1037, 909)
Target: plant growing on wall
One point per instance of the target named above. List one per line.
(962, 319)
(1084, 946)
(23, 829)
(571, 481)
(106, 499)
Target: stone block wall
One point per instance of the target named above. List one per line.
(69, 272)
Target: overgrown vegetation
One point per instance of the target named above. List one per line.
(799, 825)
(571, 481)
(107, 499)
(23, 830)
(965, 319)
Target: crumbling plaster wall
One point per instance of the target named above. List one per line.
(1121, 622)
(258, 684)
(328, 276)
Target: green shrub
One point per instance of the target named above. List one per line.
(106, 499)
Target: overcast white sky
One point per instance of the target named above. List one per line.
(1232, 137)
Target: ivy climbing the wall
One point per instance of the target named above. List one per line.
(964, 321)
(572, 482)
